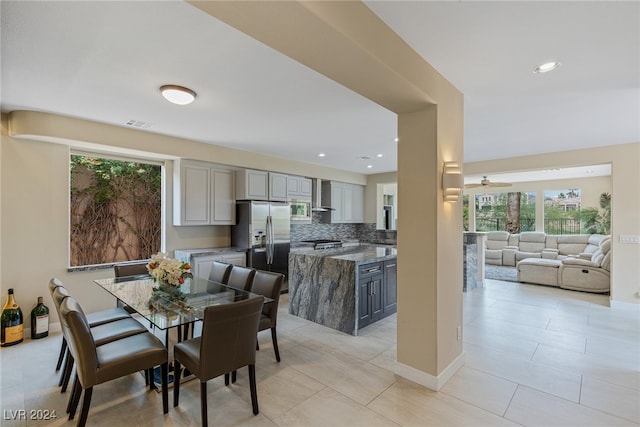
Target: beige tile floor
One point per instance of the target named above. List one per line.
(535, 356)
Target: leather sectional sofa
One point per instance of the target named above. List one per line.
(578, 262)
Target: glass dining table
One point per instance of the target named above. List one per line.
(199, 293)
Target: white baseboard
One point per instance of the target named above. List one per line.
(623, 305)
(429, 381)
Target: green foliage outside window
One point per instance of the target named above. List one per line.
(115, 210)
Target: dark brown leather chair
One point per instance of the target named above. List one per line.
(102, 333)
(228, 342)
(220, 272)
(269, 284)
(241, 277)
(130, 269)
(95, 319)
(99, 364)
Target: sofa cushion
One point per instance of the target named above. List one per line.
(497, 239)
(580, 262)
(572, 244)
(551, 242)
(532, 241)
(540, 271)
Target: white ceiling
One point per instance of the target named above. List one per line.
(105, 61)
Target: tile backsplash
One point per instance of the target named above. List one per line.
(319, 229)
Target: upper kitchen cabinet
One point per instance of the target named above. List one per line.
(347, 201)
(203, 194)
(299, 188)
(261, 185)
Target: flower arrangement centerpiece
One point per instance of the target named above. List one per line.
(169, 274)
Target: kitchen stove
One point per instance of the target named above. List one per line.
(324, 243)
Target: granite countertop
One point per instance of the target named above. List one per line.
(360, 254)
(205, 251)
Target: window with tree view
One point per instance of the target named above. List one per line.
(115, 210)
(564, 213)
(513, 212)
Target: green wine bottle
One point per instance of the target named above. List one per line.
(39, 320)
(12, 323)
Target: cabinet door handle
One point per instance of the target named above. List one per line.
(391, 265)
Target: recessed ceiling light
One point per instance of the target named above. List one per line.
(396, 139)
(321, 155)
(546, 67)
(369, 166)
(178, 94)
(378, 155)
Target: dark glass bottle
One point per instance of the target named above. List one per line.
(39, 320)
(12, 322)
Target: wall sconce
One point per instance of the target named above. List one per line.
(452, 181)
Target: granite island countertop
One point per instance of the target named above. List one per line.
(363, 253)
(323, 283)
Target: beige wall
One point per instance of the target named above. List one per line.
(625, 203)
(34, 227)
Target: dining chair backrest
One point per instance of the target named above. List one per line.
(269, 285)
(241, 277)
(53, 284)
(77, 332)
(59, 295)
(220, 272)
(228, 339)
(130, 269)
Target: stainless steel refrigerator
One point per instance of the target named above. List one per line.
(263, 228)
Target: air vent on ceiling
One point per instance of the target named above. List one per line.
(138, 124)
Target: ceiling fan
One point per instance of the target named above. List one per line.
(486, 183)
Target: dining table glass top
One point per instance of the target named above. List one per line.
(199, 293)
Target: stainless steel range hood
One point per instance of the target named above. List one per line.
(316, 204)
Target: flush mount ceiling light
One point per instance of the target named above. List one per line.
(178, 94)
(321, 155)
(378, 155)
(546, 67)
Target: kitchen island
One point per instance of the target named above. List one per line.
(344, 288)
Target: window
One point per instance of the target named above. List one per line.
(115, 210)
(513, 212)
(562, 211)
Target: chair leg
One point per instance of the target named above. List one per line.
(257, 345)
(63, 350)
(275, 343)
(86, 402)
(176, 382)
(67, 354)
(75, 389)
(234, 376)
(67, 372)
(252, 387)
(226, 378)
(203, 403)
(164, 368)
(75, 398)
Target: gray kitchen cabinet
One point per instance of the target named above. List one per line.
(298, 188)
(261, 185)
(237, 258)
(203, 194)
(390, 288)
(278, 187)
(202, 263)
(347, 201)
(252, 185)
(370, 294)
